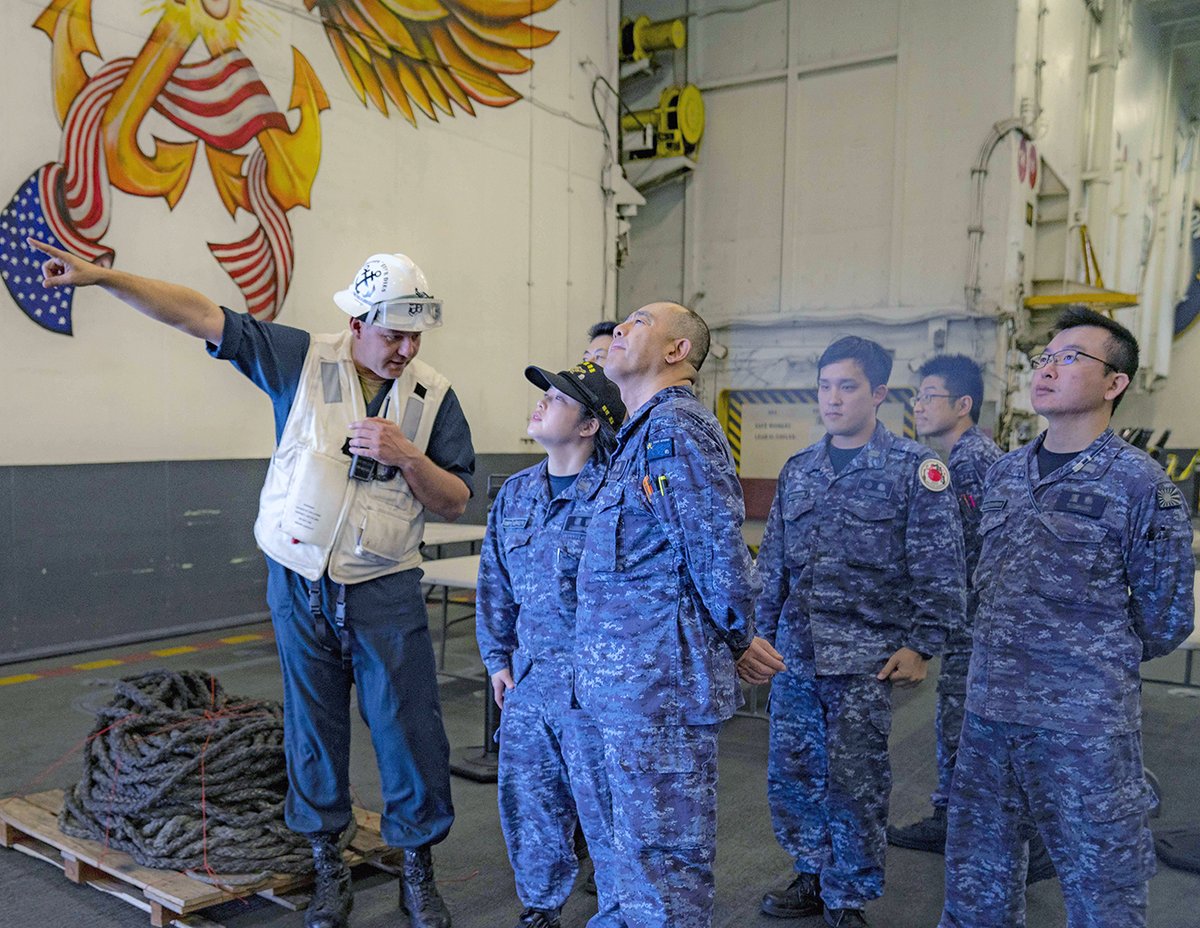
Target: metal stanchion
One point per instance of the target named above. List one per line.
(479, 762)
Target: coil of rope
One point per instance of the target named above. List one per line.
(182, 776)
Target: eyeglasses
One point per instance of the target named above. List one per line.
(1066, 357)
(924, 399)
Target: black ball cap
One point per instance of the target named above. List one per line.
(586, 383)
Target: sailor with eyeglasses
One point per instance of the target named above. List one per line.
(1085, 571)
(946, 411)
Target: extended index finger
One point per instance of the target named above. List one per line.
(48, 249)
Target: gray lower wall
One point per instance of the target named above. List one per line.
(101, 554)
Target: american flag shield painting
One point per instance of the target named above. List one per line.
(219, 106)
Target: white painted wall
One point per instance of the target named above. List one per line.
(504, 212)
(833, 192)
(834, 178)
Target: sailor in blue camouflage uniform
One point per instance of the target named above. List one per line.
(862, 572)
(1086, 571)
(946, 412)
(551, 771)
(666, 593)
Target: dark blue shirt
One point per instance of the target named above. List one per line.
(970, 459)
(856, 565)
(840, 458)
(1050, 461)
(527, 568)
(558, 484)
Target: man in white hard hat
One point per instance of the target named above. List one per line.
(368, 438)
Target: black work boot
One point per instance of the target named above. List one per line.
(539, 918)
(331, 899)
(845, 918)
(929, 834)
(802, 897)
(1041, 867)
(419, 895)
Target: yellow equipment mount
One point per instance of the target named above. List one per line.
(676, 124)
(641, 38)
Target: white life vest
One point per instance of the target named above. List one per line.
(312, 518)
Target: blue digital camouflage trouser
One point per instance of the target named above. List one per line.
(551, 775)
(1090, 801)
(393, 671)
(948, 721)
(828, 779)
(664, 790)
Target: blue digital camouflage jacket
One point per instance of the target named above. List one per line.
(525, 605)
(856, 565)
(970, 459)
(1084, 573)
(666, 584)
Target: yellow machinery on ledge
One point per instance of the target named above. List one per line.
(641, 38)
(1088, 292)
(674, 127)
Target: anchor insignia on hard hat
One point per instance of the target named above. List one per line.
(371, 280)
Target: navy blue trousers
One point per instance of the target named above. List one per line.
(551, 776)
(948, 719)
(828, 780)
(663, 781)
(1089, 798)
(391, 665)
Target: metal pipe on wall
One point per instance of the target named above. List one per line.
(1183, 261)
(1097, 178)
(975, 229)
(1158, 305)
(1039, 65)
(1177, 262)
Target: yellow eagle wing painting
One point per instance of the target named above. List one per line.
(409, 56)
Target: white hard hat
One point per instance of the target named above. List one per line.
(392, 292)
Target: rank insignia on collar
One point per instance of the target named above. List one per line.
(1169, 497)
(934, 475)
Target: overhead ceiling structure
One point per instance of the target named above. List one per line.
(1179, 21)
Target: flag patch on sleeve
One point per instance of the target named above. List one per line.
(1169, 497)
(664, 448)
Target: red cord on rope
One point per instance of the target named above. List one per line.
(208, 715)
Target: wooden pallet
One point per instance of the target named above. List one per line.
(29, 824)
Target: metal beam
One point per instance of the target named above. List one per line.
(801, 70)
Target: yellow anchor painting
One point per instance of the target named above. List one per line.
(418, 55)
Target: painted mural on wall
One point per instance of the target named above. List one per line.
(426, 56)
(1188, 308)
